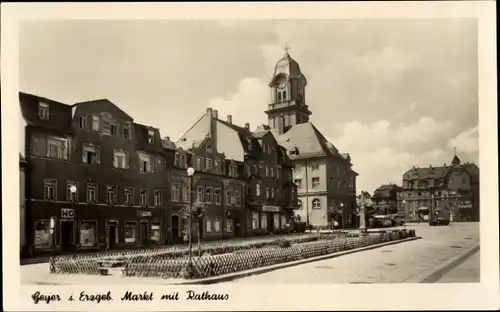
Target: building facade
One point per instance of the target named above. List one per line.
(385, 199)
(23, 166)
(98, 175)
(453, 187)
(257, 192)
(326, 182)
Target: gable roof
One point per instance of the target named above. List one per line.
(103, 101)
(440, 172)
(60, 113)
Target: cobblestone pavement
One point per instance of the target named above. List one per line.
(391, 264)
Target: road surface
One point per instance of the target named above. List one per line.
(408, 262)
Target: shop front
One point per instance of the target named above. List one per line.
(86, 228)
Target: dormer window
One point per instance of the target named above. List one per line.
(43, 111)
(151, 136)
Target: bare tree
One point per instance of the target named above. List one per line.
(196, 213)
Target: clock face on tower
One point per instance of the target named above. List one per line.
(282, 85)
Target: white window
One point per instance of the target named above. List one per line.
(272, 193)
(217, 167)
(199, 163)
(185, 193)
(257, 189)
(175, 192)
(111, 198)
(151, 136)
(298, 182)
(233, 170)
(88, 233)
(208, 164)
(208, 195)
(283, 221)
(90, 154)
(83, 122)
(278, 194)
(261, 169)
(267, 192)
(127, 130)
(146, 162)
(263, 221)
(57, 148)
(72, 197)
(316, 203)
(276, 220)
(144, 197)
(155, 233)
(200, 194)
(208, 225)
(229, 225)
(237, 198)
(96, 123)
(120, 159)
(129, 196)
(109, 127)
(43, 111)
(91, 192)
(50, 189)
(255, 220)
(229, 195)
(315, 182)
(217, 196)
(299, 204)
(217, 225)
(130, 232)
(267, 171)
(278, 172)
(158, 201)
(272, 172)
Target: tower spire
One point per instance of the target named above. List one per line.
(287, 47)
(454, 151)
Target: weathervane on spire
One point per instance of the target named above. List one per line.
(287, 47)
(454, 151)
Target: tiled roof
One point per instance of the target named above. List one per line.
(167, 144)
(141, 135)
(439, 172)
(60, 114)
(103, 102)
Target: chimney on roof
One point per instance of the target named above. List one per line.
(230, 119)
(247, 126)
(167, 138)
(209, 110)
(215, 114)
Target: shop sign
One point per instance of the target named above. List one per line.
(465, 206)
(67, 213)
(141, 213)
(271, 208)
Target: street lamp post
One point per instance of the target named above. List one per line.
(405, 212)
(190, 172)
(52, 239)
(342, 209)
(73, 190)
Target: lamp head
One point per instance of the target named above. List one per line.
(190, 171)
(52, 222)
(72, 189)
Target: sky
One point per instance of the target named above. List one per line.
(392, 93)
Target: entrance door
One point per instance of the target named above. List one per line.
(67, 235)
(175, 228)
(270, 218)
(144, 233)
(237, 227)
(112, 234)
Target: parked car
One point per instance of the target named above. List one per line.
(382, 221)
(397, 220)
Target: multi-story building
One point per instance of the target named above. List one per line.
(325, 180)
(453, 187)
(23, 165)
(98, 175)
(385, 199)
(254, 178)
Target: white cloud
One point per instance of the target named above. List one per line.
(466, 141)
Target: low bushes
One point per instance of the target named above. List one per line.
(228, 263)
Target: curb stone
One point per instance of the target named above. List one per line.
(261, 270)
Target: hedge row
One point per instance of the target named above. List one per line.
(207, 266)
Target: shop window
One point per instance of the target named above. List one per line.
(276, 220)
(229, 225)
(43, 239)
(263, 221)
(88, 233)
(217, 225)
(130, 232)
(255, 220)
(155, 234)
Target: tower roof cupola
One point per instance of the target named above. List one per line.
(287, 67)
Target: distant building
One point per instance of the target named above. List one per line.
(385, 199)
(453, 187)
(325, 180)
(364, 197)
(116, 167)
(250, 172)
